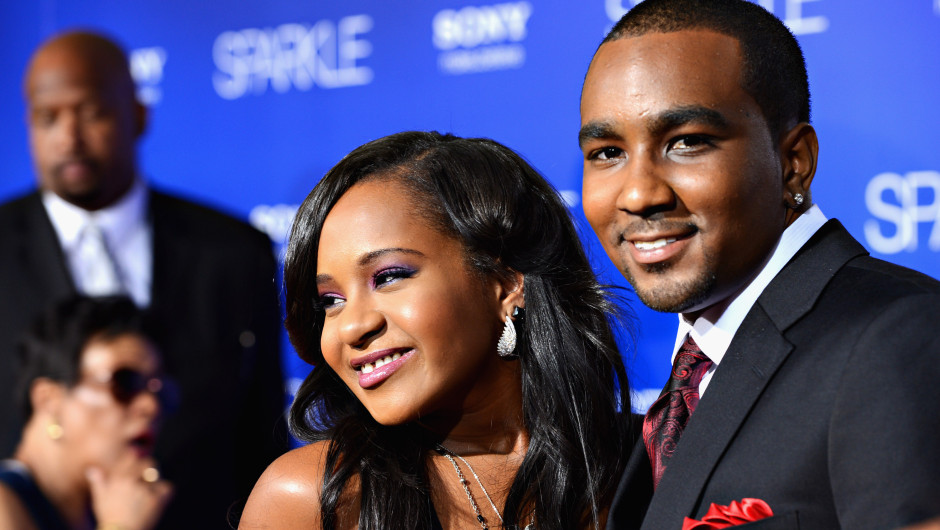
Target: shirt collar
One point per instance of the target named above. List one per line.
(716, 326)
(116, 221)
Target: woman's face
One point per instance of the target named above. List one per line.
(408, 326)
(100, 422)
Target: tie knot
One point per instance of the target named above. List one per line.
(689, 367)
(92, 229)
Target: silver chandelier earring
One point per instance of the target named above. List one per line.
(507, 340)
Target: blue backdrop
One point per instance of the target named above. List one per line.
(252, 101)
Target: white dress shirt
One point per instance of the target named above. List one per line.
(716, 326)
(127, 233)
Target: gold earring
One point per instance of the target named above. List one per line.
(54, 430)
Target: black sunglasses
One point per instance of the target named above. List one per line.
(125, 384)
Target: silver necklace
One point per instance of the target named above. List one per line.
(466, 488)
(473, 503)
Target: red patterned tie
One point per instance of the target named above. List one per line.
(669, 414)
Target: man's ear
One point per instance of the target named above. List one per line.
(141, 119)
(799, 149)
(511, 292)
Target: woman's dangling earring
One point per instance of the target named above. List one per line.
(507, 341)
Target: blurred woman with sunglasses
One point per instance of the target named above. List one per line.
(89, 387)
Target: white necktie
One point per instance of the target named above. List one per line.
(99, 274)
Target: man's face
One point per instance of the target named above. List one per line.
(682, 179)
(83, 124)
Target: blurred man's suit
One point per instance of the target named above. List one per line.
(214, 304)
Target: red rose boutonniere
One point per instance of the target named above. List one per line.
(746, 511)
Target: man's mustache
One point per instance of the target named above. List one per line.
(91, 164)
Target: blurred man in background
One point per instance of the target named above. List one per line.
(95, 227)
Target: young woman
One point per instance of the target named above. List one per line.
(466, 375)
(89, 384)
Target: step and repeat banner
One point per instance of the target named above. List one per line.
(253, 101)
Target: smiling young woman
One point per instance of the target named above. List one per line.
(407, 264)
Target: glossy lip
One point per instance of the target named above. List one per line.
(143, 443)
(660, 254)
(385, 371)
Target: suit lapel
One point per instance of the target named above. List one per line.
(42, 262)
(758, 349)
(797, 287)
(172, 255)
(735, 388)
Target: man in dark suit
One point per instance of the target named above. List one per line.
(205, 279)
(805, 372)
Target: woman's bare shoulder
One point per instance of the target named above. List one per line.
(288, 493)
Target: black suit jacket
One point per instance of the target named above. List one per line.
(826, 404)
(214, 306)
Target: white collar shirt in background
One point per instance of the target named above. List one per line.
(714, 328)
(127, 232)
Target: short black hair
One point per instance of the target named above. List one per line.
(773, 66)
(52, 347)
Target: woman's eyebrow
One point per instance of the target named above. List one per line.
(370, 257)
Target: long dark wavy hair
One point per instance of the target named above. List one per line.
(576, 403)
